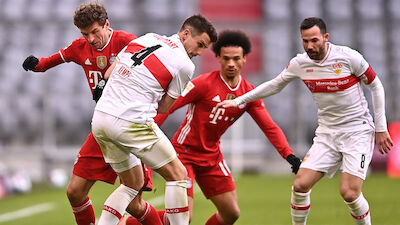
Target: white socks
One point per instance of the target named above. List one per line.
(116, 204)
(300, 207)
(359, 209)
(176, 202)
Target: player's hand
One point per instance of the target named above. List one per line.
(383, 141)
(30, 63)
(295, 162)
(225, 104)
(98, 91)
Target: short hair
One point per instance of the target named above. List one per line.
(313, 21)
(198, 24)
(228, 38)
(88, 13)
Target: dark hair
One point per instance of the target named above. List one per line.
(88, 13)
(313, 21)
(228, 38)
(198, 24)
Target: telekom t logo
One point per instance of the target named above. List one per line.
(217, 116)
(94, 78)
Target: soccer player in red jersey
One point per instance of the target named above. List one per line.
(94, 51)
(197, 139)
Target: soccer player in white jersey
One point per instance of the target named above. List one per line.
(346, 132)
(146, 78)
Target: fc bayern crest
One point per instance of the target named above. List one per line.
(101, 61)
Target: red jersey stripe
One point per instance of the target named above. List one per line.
(159, 71)
(370, 74)
(331, 85)
(154, 65)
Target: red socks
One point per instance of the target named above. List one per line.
(84, 213)
(215, 220)
(149, 216)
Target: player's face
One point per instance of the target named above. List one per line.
(314, 42)
(194, 45)
(232, 60)
(96, 35)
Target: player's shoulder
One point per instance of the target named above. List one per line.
(343, 50)
(206, 78)
(78, 44)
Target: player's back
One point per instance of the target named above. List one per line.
(145, 69)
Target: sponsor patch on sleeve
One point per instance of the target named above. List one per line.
(188, 87)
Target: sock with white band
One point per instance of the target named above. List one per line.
(116, 204)
(359, 209)
(300, 209)
(176, 202)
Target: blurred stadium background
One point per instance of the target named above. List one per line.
(45, 117)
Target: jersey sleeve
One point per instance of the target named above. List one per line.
(69, 53)
(179, 82)
(271, 130)
(358, 65)
(46, 63)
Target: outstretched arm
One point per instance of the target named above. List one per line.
(263, 90)
(382, 137)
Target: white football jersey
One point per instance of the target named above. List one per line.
(335, 85)
(147, 67)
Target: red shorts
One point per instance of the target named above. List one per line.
(212, 180)
(95, 168)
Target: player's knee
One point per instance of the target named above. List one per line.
(300, 186)
(349, 194)
(230, 216)
(75, 195)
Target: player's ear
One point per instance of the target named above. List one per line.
(107, 24)
(326, 37)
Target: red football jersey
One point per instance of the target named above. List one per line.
(94, 62)
(198, 138)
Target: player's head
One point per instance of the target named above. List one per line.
(92, 20)
(196, 34)
(231, 50)
(315, 37)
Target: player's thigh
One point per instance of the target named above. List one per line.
(94, 168)
(305, 179)
(357, 152)
(160, 153)
(214, 180)
(350, 187)
(323, 155)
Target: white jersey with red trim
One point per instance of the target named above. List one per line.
(335, 85)
(147, 67)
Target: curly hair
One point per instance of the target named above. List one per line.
(198, 24)
(88, 13)
(229, 38)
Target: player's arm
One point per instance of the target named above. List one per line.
(382, 137)
(189, 95)
(42, 64)
(165, 103)
(274, 133)
(262, 91)
(98, 90)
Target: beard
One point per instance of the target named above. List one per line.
(317, 55)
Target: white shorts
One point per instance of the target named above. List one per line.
(349, 151)
(119, 138)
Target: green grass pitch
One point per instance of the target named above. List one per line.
(264, 200)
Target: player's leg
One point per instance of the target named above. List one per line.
(77, 193)
(228, 209)
(161, 157)
(176, 201)
(118, 201)
(350, 189)
(301, 190)
(357, 155)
